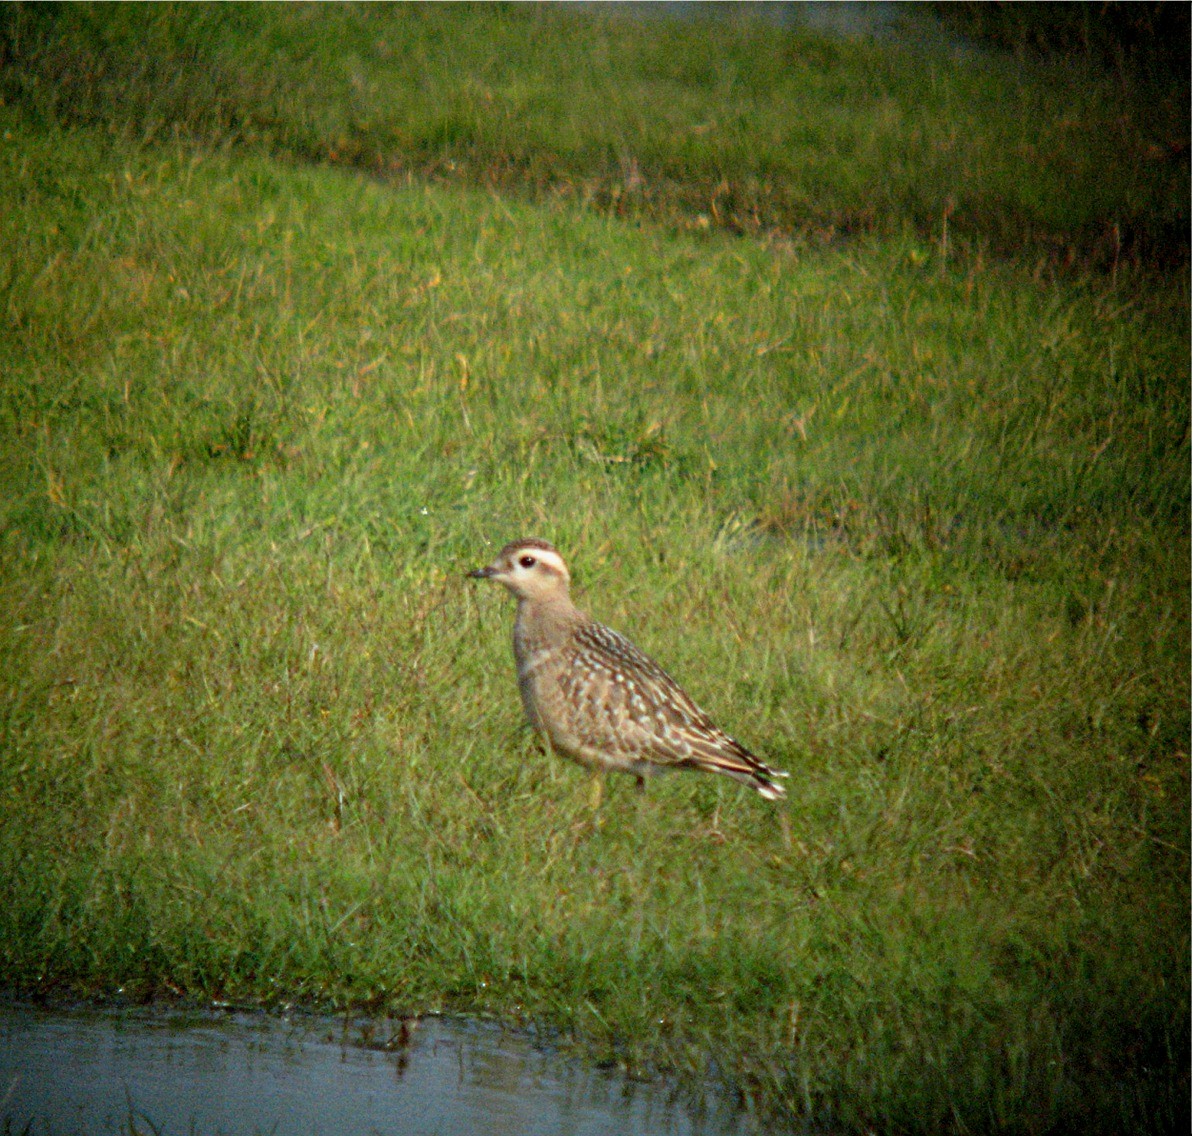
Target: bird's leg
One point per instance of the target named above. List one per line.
(596, 791)
(538, 742)
(641, 782)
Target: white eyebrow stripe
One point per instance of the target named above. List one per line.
(551, 559)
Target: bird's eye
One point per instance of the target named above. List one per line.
(528, 561)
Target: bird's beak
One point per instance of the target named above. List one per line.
(483, 573)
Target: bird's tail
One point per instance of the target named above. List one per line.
(732, 758)
(765, 781)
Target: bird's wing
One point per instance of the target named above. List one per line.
(631, 705)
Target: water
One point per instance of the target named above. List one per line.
(850, 18)
(887, 20)
(174, 1072)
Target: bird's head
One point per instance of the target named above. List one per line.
(532, 569)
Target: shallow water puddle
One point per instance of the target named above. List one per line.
(171, 1072)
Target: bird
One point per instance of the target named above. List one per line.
(594, 696)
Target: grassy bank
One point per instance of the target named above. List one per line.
(914, 526)
(727, 123)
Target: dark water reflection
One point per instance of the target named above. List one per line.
(171, 1072)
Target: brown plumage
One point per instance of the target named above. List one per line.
(596, 697)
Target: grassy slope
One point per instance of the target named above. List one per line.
(744, 126)
(919, 532)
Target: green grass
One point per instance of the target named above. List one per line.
(725, 124)
(915, 526)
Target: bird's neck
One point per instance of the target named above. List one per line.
(540, 621)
